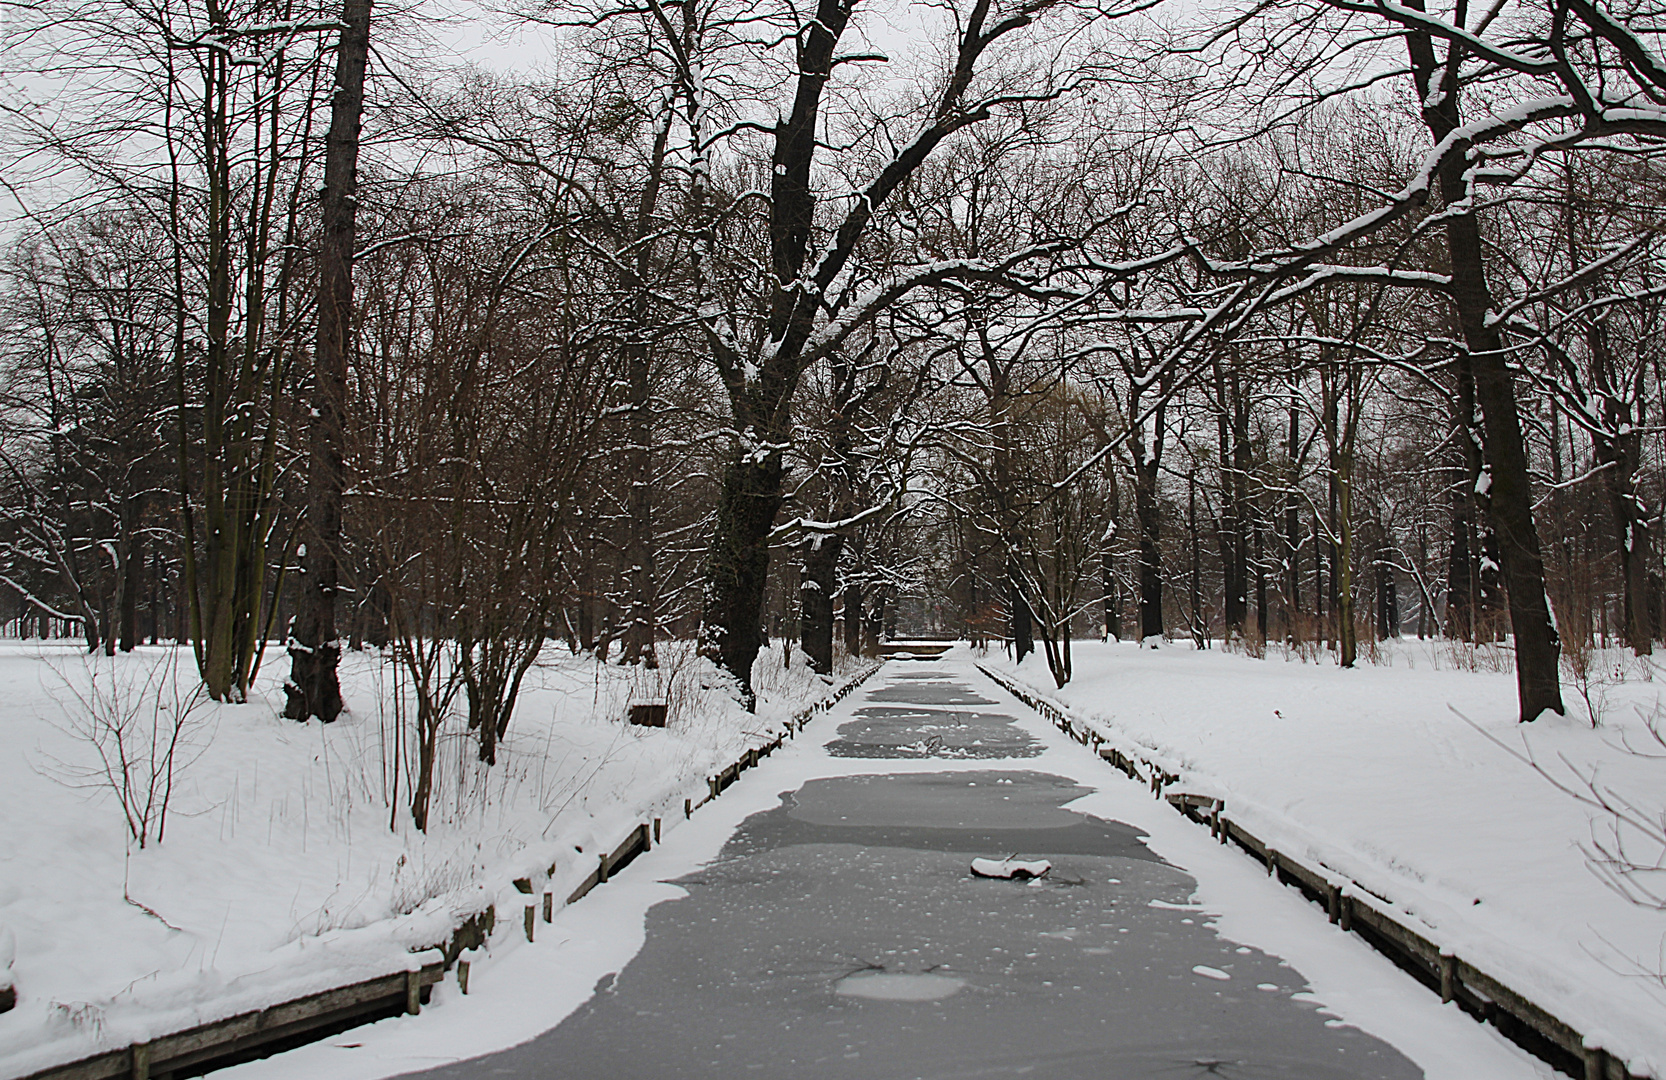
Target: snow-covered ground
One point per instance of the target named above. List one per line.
(524, 990)
(290, 863)
(1413, 777)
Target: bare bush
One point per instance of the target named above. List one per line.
(142, 730)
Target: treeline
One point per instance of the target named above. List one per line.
(1306, 323)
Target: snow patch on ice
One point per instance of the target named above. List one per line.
(886, 986)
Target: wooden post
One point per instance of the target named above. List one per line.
(601, 869)
(1347, 913)
(531, 919)
(688, 808)
(141, 1061)
(712, 782)
(1272, 862)
(463, 974)
(647, 833)
(1448, 977)
(656, 830)
(549, 905)
(413, 992)
(1333, 904)
(1596, 1063)
(1215, 820)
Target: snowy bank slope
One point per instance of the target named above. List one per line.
(289, 863)
(1371, 773)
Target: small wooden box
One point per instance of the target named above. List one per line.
(648, 713)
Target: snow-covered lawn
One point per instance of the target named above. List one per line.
(1374, 773)
(289, 862)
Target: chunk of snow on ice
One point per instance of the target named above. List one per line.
(1211, 973)
(1266, 986)
(1010, 868)
(884, 986)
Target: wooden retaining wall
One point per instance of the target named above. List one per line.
(318, 1016)
(257, 1034)
(1358, 910)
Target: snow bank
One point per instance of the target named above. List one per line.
(1401, 777)
(290, 864)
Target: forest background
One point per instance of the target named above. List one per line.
(1306, 323)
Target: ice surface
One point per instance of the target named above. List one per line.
(925, 715)
(839, 935)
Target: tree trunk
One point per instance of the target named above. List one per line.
(1319, 592)
(1147, 461)
(1619, 458)
(1464, 601)
(873, 631)
(1508, 491)
(737, 572)
(815, 592)
(1388, 603)
(1151, 556)
(1111, 596)
(1260, 577)
(132, 570)
(1242, 462)
(1111, 600)
(1292, 526)
(1343, 572)
(853, 619)
(313, 688)
(639, 541)
(1056, 644)
(1199, 629)
(1232, 424)
(1019, 621)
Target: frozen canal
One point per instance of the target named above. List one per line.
(840, 934)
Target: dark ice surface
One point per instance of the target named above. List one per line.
(982, 813)
(927, 714)
(841, 934)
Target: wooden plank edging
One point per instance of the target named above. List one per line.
(1363, 912)
(256, 1033)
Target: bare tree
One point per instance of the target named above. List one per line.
(312, 688)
